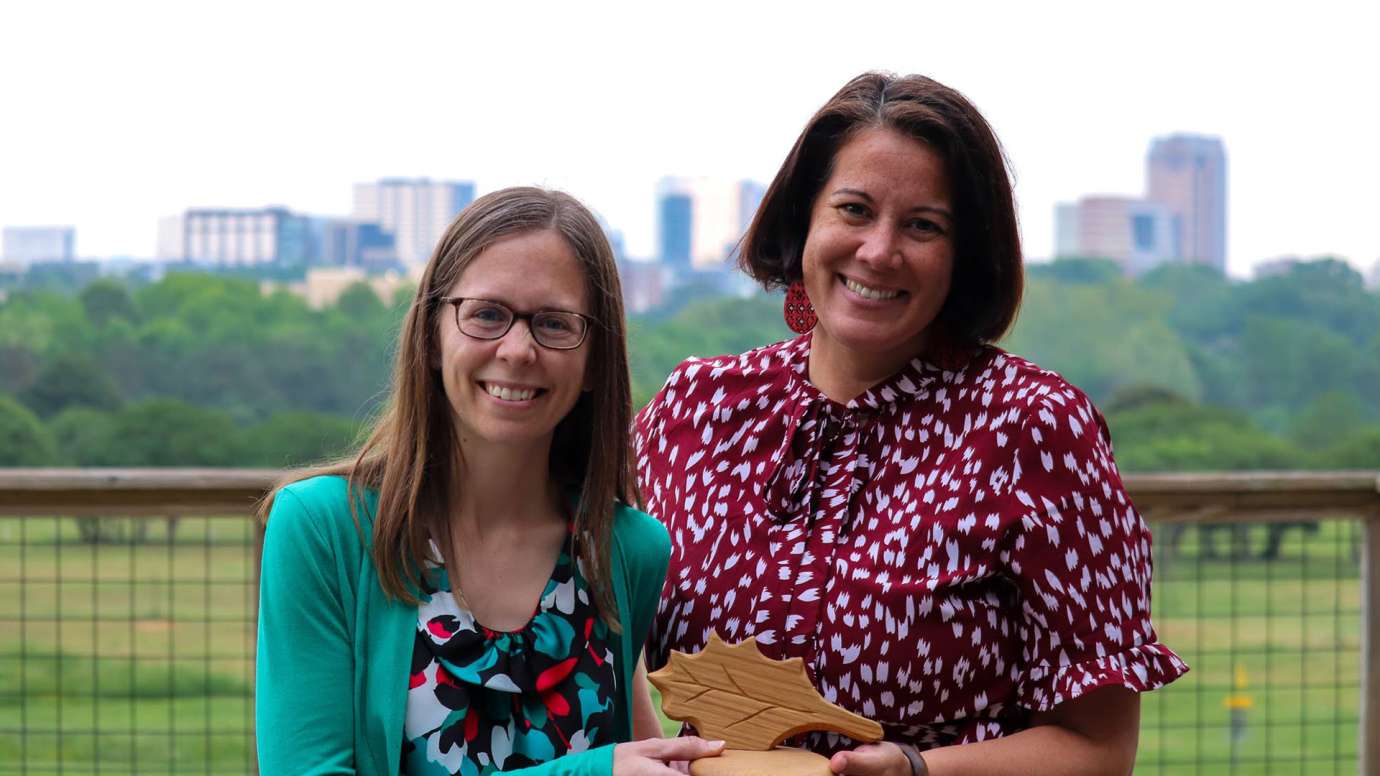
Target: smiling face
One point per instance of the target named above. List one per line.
(878, 257)
(511, 391)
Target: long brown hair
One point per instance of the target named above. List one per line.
(988, 278)
(411, 454)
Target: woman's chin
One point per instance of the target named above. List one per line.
(867, 341)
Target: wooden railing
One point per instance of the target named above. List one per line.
(1246, 497)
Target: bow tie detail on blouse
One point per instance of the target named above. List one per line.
(822, 461)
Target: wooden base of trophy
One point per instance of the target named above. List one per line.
(773, 762)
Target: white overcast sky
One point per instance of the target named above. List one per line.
(114, 114)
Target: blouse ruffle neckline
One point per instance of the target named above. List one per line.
(814, 422)
(531, 659)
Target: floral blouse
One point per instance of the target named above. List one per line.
(947, 552)
(482, 700)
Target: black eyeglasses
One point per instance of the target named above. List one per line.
(486, 319)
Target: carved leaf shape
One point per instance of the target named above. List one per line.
(737, 694)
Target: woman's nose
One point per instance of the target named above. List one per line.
(880, 246)
(517, 344)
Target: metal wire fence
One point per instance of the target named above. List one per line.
(127, 643)
(1268, 617)
(127, 646)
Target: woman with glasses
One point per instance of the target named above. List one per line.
(471, 590)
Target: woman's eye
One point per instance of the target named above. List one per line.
(554, 324)
(853, 209)
(927, 226)
(488, 315)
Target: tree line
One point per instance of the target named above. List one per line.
(1194, 371)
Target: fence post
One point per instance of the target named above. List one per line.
(1369, 744)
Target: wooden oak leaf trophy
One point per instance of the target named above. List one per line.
(753, 703)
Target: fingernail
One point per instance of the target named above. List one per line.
(716, 744)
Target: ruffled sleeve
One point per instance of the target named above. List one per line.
(1080, 558)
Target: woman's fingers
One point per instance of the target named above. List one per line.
(884, 759)
(650, 757)
(684, 748)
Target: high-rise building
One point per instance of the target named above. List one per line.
(675, 219)
(644, 284)
(240, 237)
(1188, 174)
(172, 239)
(1135, 233)
(416, 210)
(700, 220)
(750, 194)
(1066, 239)
(345, 242)
(39, 244)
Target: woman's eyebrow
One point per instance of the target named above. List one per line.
(853, 192)
(932, 209)
(860, 194)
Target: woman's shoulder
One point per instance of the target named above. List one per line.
(642, 549)
(639, 533)
(319, 504)
(321, 490)
(1019, 384)
(322, 494)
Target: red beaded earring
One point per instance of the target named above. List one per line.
(799, 313)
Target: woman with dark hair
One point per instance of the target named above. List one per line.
(935, 526)
(471, 591)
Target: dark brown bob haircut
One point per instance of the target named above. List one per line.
(987, 278)
(411, 456)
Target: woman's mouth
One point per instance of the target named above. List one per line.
(868, 292)
(512, 392)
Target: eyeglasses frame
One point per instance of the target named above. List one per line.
(456, 301)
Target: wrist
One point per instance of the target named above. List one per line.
(917, 762)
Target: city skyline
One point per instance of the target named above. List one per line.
(1180, 218)
(114, 137)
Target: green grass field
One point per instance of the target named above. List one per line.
(123, 658)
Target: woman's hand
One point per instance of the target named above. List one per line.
(650, 757)
(883, 759)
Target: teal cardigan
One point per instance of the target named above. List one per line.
(334, 651)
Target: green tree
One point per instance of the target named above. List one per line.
(1326, 293)
(1176, 435)
(70, 380)
(1326, 420)
(297, 439)
(40, 321)
(1358, 450)
(1202, 304)
(709, 328)
(23, 439)
(85, 437)
(1103, 336)
(1078, 270)
(167, 432)
(360, 303)
(18, 367)
(1289, 363)
(107, 300)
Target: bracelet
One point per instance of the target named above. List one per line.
(917, 763)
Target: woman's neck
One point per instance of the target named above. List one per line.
(505, 488)
(843, 374)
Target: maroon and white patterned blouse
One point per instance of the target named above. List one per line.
(947, 552)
